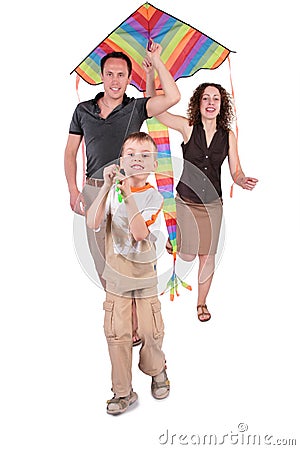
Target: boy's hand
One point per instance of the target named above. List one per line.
(109, 174)
(123, 184)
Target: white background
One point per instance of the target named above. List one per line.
(238, 368)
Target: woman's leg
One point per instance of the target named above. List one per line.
(205, 276)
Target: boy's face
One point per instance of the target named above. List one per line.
(138, 158)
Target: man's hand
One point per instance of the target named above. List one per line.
(77, 202)
(153, 53)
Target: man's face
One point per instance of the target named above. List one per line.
(115, 78)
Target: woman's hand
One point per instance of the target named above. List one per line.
(248, 183)
(148, 67)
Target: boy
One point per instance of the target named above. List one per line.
(130, 270)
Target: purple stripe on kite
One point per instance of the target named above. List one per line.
(135, 24)
(197, 51)
(99, 51)
(164, 21)
(136, 31)
(97, 55)
(172, 228)
(163, 148)
(164, 187)
(205, 48)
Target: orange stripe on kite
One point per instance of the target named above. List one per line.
(85, 76)
(147, 13)
(221, 59)
(179, 52)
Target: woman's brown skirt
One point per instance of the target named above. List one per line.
(198, 226)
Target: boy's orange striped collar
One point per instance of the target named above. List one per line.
(140, 189)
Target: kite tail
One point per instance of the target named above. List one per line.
(164, 179)
(175, 281)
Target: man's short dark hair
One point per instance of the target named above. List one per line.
(118, 55)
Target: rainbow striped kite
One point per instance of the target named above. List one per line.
(185, 50)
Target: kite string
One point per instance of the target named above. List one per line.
(236, 128)
(82, 140)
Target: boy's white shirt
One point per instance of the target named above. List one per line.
(149, 203)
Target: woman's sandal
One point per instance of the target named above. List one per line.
(118, 405)
(206, 313)
(160, 386)
(137, 342)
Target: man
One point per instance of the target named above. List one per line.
(105, 121)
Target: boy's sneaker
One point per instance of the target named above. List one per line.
(160, 386)
(118, 405)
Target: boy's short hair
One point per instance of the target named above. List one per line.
(117, 55)
(140, 136)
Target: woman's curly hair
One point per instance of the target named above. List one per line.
(226, 115)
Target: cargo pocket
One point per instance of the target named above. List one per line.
(158, 324)
(108, 307)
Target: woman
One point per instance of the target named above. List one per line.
(207, 141)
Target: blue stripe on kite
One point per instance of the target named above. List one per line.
(96, 55)
(166, 194)
(192, 58)
(194, 62)
(163, 22)
(139, 34)
(201, 49)
(172, 236)
(168, 23)
(135, 25)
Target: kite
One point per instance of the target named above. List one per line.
(185, 50)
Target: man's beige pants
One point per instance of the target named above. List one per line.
(118, 332)
(96, 240)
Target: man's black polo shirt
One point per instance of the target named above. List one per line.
(104, 137)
